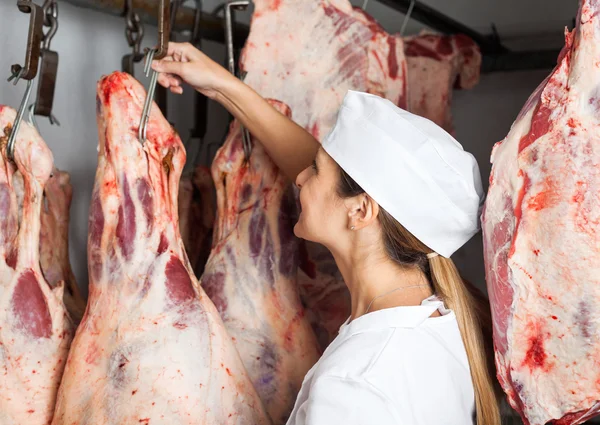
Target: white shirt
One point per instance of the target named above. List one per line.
(396, 366)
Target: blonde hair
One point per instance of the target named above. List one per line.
(470, 305)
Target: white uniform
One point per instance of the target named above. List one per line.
(396, 366)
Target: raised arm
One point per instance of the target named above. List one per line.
(290, 146)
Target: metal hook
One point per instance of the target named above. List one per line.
(30, 68)
(10, 146)
(152, 54)
(229, 7)
(407, 17)
(149, 96)
(36, 21)
(365, 5)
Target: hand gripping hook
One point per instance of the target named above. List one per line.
(30, 68)
(229, 7)
(151, 54)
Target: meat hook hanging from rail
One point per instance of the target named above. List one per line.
(407, 17)
(229, 8)
(134, 33)
(30, 68)
(49, 64)
(151, 54)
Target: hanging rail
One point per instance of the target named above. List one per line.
(212, 26)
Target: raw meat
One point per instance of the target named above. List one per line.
(197, 208)
(151, 348)
(54, 238)
(308, 54)
(54, 241)
(436, 65)
(251, 274)
(542, 246)
(35, 328)
(363, 57)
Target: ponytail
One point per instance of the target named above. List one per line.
(450, 287)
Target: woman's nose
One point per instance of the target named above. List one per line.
(301, 178)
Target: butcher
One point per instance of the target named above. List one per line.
(392, 196)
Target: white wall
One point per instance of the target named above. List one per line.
(91, 44)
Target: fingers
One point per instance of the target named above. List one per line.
(167, 65)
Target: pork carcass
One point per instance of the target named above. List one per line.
(542, 246)
(35, 328)
(151, 348)
(360, 56)
(436, 65)
(197, 208)
(251, 274)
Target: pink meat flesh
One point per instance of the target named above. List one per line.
(151, 348)
(542, 248)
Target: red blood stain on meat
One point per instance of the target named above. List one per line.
(163, 244)
(540, 125)
(545, 198)
(126, 225)
(228, 371)
(145, 196)
(213, 284)
(30, 306)
(392, 58)
(179, 285)
(536, 357)
(462, 41)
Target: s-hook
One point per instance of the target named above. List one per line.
(152, 54)
(29, 70)
(49, 64)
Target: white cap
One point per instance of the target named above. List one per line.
(411, 167)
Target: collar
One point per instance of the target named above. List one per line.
(398, 317)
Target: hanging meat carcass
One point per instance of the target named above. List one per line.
(251, 274)
(54, 238)
(436, 65)
(360, 56)
(542, 246)
(54, 241)
(151, 348)
(197, 207)
(35, 328)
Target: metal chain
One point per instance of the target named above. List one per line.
(134, 32)
(50, 9)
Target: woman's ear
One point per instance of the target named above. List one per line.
(362, 211)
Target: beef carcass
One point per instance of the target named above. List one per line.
(436, 65)
(308, 54)
(251, 274)
(54, 238)
(54, 241)
(542, 246)
(151, 348)
(360, 56)
(35, 328)
(197, 208)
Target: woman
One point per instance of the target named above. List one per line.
(400, 358)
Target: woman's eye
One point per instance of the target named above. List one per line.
(314, 165)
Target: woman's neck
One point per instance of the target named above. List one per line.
(368, 276)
